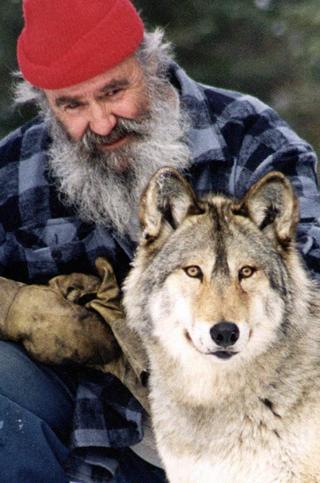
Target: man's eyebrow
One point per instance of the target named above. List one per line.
(114, 84)
(109, 86)
(63, 100)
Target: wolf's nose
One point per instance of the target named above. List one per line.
(225, 334)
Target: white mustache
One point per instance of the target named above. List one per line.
(124, 127)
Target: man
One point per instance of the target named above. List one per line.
(113, 107)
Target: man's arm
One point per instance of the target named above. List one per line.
(269, 144)
(254, 140)
(52, 322)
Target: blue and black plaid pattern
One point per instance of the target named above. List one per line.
(39, 237)
(234, 140)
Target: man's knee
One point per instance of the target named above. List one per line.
(44, 391)
(36, 407)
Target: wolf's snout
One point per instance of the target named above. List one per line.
(225, 334)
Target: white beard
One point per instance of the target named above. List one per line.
(96, 186)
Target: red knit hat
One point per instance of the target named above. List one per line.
(65, 42)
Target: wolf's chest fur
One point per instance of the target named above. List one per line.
(242, 439)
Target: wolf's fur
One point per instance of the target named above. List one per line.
(253, 416)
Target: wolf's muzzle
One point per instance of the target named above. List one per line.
(225, 334)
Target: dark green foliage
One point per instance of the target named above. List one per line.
(10, 25)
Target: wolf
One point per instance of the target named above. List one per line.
(231, 324)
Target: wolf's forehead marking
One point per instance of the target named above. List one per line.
(218, 200)
(220, 208)
(220, 212)
(220, 217)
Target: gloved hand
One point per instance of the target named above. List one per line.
(102, 296)
(76, 318)
(53, 328)
(131, 367)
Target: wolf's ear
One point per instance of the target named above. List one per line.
(273, 207)
(165, 203)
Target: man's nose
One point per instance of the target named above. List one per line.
(102, 120)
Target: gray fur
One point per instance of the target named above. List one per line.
(254, 417)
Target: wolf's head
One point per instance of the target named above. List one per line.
(213, 278)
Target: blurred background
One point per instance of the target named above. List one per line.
(267, 48)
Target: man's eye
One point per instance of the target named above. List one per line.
(194, 271)
(72, 106)
(113, 92)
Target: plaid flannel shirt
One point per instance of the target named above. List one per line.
(234, 140)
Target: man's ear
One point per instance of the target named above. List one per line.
(272, 206)
(166, 202)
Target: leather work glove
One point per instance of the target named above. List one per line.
(131, 367)
(102, 296)
(51, 327)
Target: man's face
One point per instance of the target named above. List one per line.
(97, 104)
(109, 135)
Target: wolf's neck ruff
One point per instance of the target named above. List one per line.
(214, 276)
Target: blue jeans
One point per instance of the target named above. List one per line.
(36, 409)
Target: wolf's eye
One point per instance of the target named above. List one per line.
(194, 271)
(246, 272)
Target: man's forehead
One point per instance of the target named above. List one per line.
(61, 99)
(119, 76)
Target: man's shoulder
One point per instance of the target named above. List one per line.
(25, 141)
(222, 104)
(233, 102)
